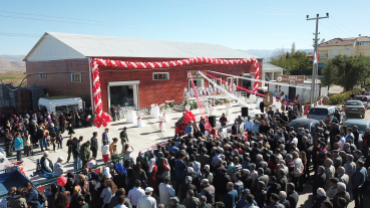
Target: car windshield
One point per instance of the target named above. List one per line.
(358, 103)
(319, 111)
(361, 128)
(361, 98)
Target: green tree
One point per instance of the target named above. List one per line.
(293, 49)
(330, 73)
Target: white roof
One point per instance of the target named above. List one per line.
(270, 67)
(57, 46)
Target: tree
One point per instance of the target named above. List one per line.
(346, 71)
(293, 49)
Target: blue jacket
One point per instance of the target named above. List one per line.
(358, 177)
(105, 137)
(180, 167)
(18, 144)
(230, 199)
(255, 128)
(32, 198)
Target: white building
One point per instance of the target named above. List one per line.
(301, 89)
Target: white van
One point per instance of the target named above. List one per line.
(60, 104)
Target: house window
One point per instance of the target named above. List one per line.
(75, 77)
(42, 75)
(161, 76)
(348, 48)
(235, 80)
(197, 83)
(334, 53)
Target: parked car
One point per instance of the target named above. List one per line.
(325, 113)
(365, 99)
(354, 108)
(307, 123)
(361, 124)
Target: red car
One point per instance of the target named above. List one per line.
(365, 99)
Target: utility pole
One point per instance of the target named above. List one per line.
(315, 66)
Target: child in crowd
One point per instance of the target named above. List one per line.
(105, 151)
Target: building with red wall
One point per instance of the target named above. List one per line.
(59, 63)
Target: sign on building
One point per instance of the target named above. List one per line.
(195, 74)
(290, 79)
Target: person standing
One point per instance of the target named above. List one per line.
(62, 123)
(147, 201)
(18, 145)
(85, 153)
(59, 139)
(124, 138)
(231, 196)
(69, 145)
(8, 143)
(76, 155)
(27, 144)
(41, 137)
(223, 120)
(32, 196)
(166, 191)
(105, 151)
(365, 190)
(94, 144)
(105, 135)
(358, 178)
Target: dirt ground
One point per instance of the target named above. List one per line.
(14, 78)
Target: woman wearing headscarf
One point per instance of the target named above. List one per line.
(152, 179)
(163, 167)
(84, 184)
(130, 175)
(76, 192)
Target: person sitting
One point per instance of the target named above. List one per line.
(58, 168)
(46, 163)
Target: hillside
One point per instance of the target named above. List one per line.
(9, 63)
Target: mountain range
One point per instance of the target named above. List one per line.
(12, 63)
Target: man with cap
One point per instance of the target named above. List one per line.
(191, 201)
(58, 168)
(260, 194)
(175, 203)
(283, 200)
(147, 201)
(166, 192)
(231, 196)
(333, 190)
(320, 198)
(203, 202)
(274, 202)
(186, 187)
(208, 191)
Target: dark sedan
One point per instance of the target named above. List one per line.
(306, 122)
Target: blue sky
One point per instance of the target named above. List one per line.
(239, 24)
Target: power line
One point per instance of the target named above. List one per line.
(267, 7)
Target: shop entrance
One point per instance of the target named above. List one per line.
(123, 93)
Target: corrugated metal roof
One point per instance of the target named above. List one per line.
(56, 46)
(271, 67)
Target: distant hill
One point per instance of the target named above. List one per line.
(12, 63)
(267, 54)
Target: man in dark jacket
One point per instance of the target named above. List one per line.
(85, 153)
(191, 201)
(260, 195)
(293, 196)
(283, 200)
(123, 136)
(94, 144)
(208, 191)
(320, 198)
(274, 202)
(203, 158)
(273, 187)
(247, 179)
(319, 180)
(222, 179)
(357, 179)
(40, 136)
(341, 188)
(231, 196)
(76, 155)
(365, 190)
(203, 202)
(282, 180)
(9, 139)
(186, 187)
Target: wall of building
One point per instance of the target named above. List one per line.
(304, 93)
(326, 53)
(150, 91)
(58, 78)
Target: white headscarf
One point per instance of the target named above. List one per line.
(151, 164)
(107, 172)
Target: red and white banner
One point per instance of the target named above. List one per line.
(103, 118)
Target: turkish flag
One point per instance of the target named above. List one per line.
(318, 55)
(306, 109)
(246, 136)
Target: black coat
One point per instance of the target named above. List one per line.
(274, 188)
(222, 180)
(283, 181)
(285, 202)
(318, 182)
(319, 200)
(260, 197)
(247, 181)
(293, 199)
(184, 190)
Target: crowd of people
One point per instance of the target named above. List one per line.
(268, 168)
